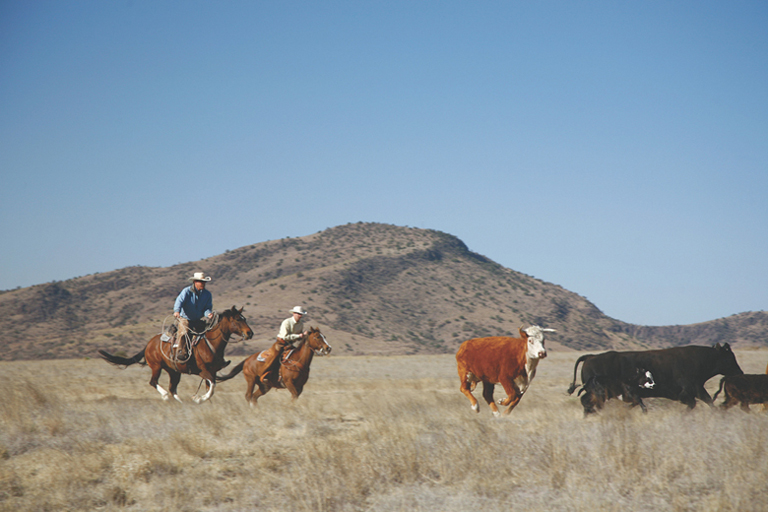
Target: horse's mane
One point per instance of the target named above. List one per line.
(230, 313)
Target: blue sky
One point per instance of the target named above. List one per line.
(618, 149)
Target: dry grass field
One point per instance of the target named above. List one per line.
(368, 434)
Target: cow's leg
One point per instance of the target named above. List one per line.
(488, 396)
(514, 394)
(688, 396)
(588, 402)
(466, 387)
(745, 407)
(729, 401)
(705, 397)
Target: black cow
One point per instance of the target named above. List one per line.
(679, 372)
(601, 388)
(744, 389)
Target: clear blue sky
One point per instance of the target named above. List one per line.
(618, 149)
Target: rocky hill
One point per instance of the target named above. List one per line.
(371, 288)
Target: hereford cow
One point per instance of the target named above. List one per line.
(510, 362)
(599, 389)
(744, 389)
(680, 372)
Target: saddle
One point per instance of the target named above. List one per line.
(274, 375)
(194, 326)
(262, 357)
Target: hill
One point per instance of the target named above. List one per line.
(372, 289)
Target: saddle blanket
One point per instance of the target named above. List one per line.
(263, 355)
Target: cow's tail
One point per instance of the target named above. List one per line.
(722, 381)
(572, 387)
(236, 370)
(123, 361)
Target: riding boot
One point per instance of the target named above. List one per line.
(179, 350)
(271, 357)
(221, 362)
(273, 367)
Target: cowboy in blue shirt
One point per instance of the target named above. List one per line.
(193, 303)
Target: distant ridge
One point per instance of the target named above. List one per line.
(372, 288)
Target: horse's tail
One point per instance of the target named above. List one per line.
(236, 370)
(572, 387)
(123, 361)
(722, 381)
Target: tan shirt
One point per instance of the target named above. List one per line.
(291, 330)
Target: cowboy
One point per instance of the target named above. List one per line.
(291, 332)
(191, 306)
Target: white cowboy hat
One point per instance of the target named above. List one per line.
(299, 310)
(199, 276)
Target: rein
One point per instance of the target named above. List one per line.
(295, 365)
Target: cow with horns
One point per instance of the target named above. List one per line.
(508, 361)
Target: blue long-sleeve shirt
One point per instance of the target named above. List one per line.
(192, 305)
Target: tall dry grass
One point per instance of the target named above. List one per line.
(368, 434)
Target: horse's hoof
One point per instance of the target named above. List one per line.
(496, 414)
(476, 408)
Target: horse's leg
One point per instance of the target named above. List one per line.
(290, 385)
(250, 381)
(260, 389)
(209, 379)
(254, 389)
(153, 381)
(175, 379)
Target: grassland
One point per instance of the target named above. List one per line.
(368, 434)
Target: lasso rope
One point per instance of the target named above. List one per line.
(187, 339)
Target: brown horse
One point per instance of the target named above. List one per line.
(294, 368)
(206, 359)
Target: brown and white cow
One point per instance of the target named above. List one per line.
(745, 389)
(510, 362)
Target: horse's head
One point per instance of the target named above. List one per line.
(317, 342)
(236, 323)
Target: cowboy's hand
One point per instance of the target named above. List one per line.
(176, 314)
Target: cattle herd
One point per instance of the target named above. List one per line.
(677, 373)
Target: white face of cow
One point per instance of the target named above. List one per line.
(647, 381)
(536, 348)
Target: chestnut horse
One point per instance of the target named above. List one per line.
(207, 355)
(294, 368)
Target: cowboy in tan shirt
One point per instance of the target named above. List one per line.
(291, 331)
